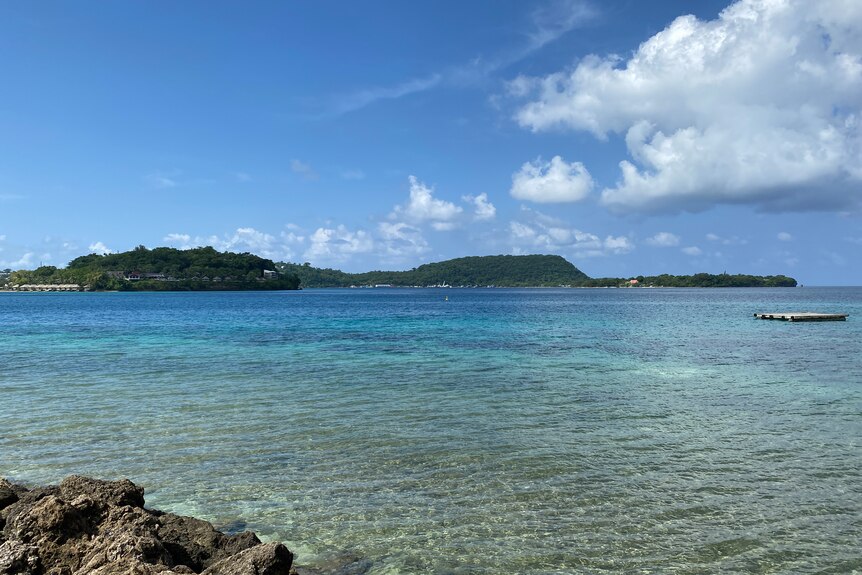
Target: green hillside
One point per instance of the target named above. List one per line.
(502, 271)
(696, 280)
(162, 269)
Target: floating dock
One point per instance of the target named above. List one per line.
(803, 316)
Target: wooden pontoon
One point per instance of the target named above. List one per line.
(803, 316)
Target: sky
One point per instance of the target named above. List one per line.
(630, 137)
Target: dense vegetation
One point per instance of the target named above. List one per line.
(516, 271)
(169, 269)
(697, 280)
(510, 271)
(179, 270)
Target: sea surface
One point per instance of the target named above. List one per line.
(535, 431)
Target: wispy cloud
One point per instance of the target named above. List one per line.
(303, 169)
(547, 23)
(161, 180)
(363, 98)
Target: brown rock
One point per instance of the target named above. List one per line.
(87, 526)
(264, 559)
(196, 543)
(8, 495)
(107, 493)
(18, 558)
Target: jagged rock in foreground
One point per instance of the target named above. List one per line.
(87, 526)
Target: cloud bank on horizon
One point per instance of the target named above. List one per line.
(760, 106)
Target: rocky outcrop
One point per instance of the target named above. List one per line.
(88, 526)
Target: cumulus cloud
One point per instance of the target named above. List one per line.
(399, 240)
(484, 210)
(537, 232)
(247, 239)
(181, 241)
(692, 251)
(424, 207)
(100, 248)
(762, 105)
(26, 261)
(333, 245)
(784, 236)
(663, 240)
(551, 182)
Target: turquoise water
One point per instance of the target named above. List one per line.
(502, 431)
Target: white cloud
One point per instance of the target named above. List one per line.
(424, 207)
(363, 98)
(762, 105)
(726, 241)
(484, 210)
(551, 182)
(281, 248)
(784, 236)
(3, 238)
(251, 240)
(26, 261)
(547, 23)
(538, 232)
(100, 248)
(303, 169)
(332, 245)
(162, 181)
(180, 241)
(242, 177)
(692, 251)
(663, 240)
(399, 240)
(618, 245)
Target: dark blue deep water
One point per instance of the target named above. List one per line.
(501, 431)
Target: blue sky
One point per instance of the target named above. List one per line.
(630, 137)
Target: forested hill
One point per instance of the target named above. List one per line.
(516, 271)
(501, 271)
(163, 269)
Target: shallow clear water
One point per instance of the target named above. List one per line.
(501, 431)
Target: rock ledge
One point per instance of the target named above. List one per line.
(93, 527)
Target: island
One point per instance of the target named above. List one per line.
(207, 269)
(513, 271)
(158, 269)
